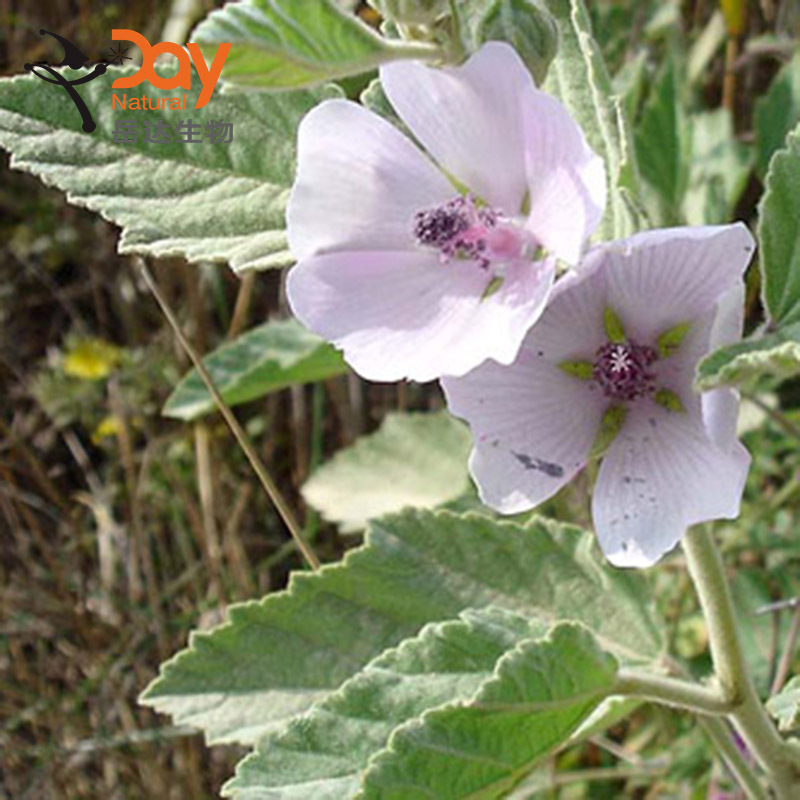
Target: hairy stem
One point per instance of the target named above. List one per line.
(672, 692)
(748, 715)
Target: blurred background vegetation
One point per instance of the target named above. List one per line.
(121, 530)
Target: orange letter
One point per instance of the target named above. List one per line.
(208, 76)
(127, 35)
(184, 75)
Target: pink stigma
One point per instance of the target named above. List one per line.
(462, 229)
(622, 370)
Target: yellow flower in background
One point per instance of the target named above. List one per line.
(109, 426)
(91, 359)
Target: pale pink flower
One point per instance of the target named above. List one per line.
(609, 368)
(423, 262)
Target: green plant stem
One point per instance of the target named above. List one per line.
(720, 735)
(414, 49)
(672, 692)
(785, 664)
(257, 465)
(608, 774)
(748, 715)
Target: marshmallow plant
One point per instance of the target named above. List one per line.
(466, 220)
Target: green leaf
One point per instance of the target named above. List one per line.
(578, 76)
(413, 12)
(630, 83)
(775, 354)
(206, 202)
(263, 360)
(753, 588)
(375, 99)
(718, 170)
(785, 706)
(417, 460)
(777, 113)
(540, 693)
(287, 44)
(611, 711)
(705, 48)
(324, 751)
(779, 234)
(663, 141)
(528, 27)
(272, 659)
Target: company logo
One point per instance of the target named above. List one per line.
(75, 59)
(208, 75)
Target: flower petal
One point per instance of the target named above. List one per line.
(469, 118)
(533, 427)
(572, 326)
(662, 474)
(718, 409)
(662, 278)
(566, 178)
(359, 183)
(502, 320)
(721, 406)
(406, 315)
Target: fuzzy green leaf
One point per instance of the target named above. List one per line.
(779, 234)
(777, 113)
(287, 44)
(417, 460)
(324, 751)
(527, 26)
(663, 141)
(206, 202)
(718, 170)
(263, 360)
(578, 76)
(776, 354)
(540, 693)
(375, 99)
(412, 12)
(272, 659)
(785, 706)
